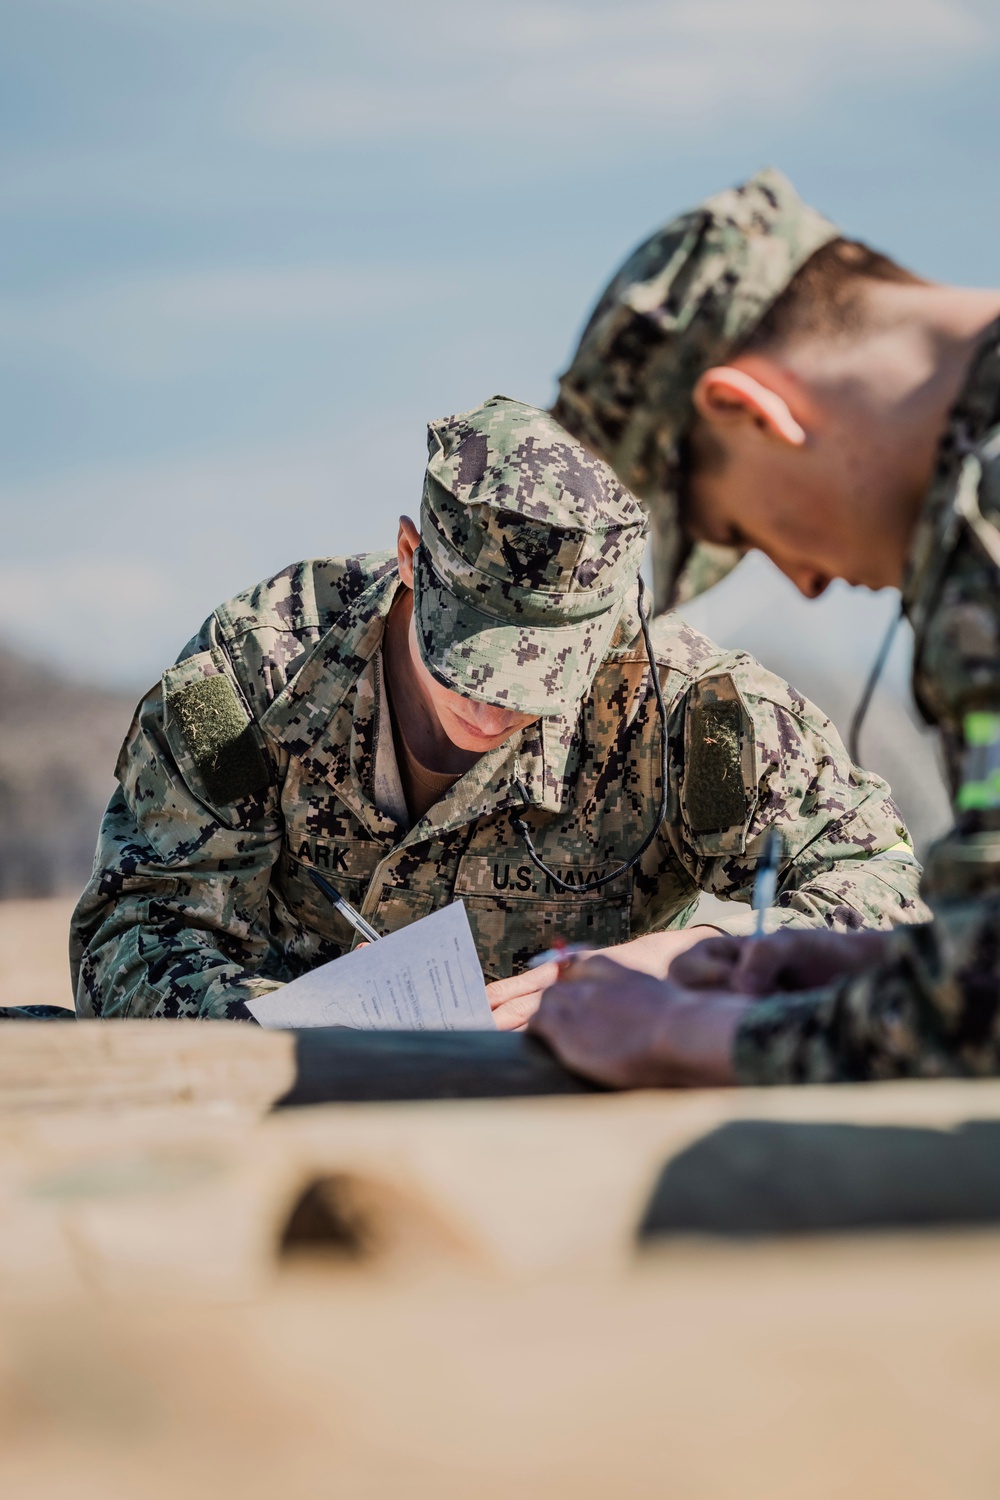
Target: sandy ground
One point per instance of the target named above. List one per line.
(34, 966)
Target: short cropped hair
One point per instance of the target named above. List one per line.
(825, 299)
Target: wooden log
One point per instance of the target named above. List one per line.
(752, 1178)
(124, 1064)
(335, 1065)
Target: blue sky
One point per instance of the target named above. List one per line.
(248, 249)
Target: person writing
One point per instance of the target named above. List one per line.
(764, 382)
(476, 716)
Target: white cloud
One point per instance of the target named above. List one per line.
(580, 75)
(449, 64)
(158, 324)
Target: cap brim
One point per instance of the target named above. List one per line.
(530, 669)
(682, 567)
(671, 547)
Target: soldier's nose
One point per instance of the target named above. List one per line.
(490, 720)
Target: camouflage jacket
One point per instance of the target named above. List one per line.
(201, 894)
(934, 1007)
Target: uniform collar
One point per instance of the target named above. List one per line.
(337, 678)
(300, 715)
(539, 756)
(970, 419)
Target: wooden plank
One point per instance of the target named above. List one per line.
(869, 1370)
(202, 1197)
(129, 1064)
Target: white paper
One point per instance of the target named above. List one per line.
(426, 977)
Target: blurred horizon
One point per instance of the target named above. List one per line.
(249, 250)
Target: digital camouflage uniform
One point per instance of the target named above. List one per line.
(253, 761)
(934, 1007)
(683, 302)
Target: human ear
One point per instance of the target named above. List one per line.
(407, 542)
(725, 396)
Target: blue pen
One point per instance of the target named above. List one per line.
(765, 881)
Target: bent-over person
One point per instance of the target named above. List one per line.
(383, 719)
(763, 381)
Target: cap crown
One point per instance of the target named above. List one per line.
(521, 522)
(681, 302)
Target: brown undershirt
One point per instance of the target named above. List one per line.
(421, 788)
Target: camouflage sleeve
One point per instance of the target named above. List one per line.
(753, 753)
(174, 919)
(929, 1011)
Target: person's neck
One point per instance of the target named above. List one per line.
(411, 708)
(888, 391)
(906, 366)
(935, 330)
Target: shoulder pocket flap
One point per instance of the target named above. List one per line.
(720, 767)
(211, 730)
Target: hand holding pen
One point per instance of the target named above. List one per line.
(561, 953)
(738, 963)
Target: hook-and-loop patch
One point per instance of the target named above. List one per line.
(216, 729)
(720, 777)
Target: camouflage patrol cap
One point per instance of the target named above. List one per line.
(529, 546)
(682, 302)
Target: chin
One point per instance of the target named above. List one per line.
(474, 742)
(466, 739)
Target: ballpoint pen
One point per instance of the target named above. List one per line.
(765, 883)
(561, 953)
(345, 908)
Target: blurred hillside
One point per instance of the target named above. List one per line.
(59, 741)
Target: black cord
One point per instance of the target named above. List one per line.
(864, 702)
(521, 826)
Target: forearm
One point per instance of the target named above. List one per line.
(151, 939)
(144, 971)
(834, 902)
(857, 868)
(630, 1030)
(693, 1046)
(878, 891)
(654, 952)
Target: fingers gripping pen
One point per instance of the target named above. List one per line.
(561, 953)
